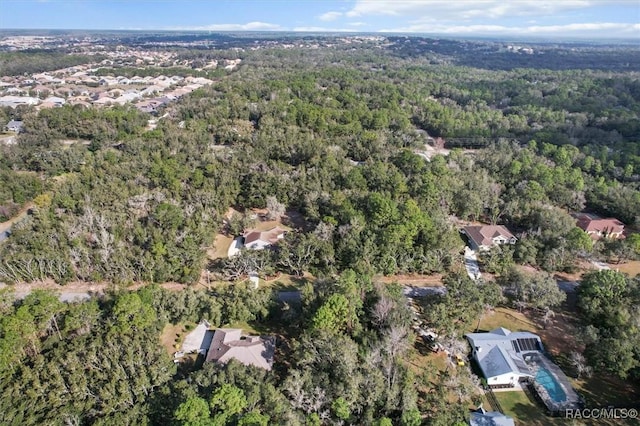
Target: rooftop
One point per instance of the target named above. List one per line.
(228, 343)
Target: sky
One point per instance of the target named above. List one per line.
(606, 19)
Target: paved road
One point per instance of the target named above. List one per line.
(283, 296)
(568, 286)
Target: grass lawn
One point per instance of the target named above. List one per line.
(605, 390)
(507, 318)
(220, 247)
(421, 359)
(172, 336)
(525, 411)
(287, 282)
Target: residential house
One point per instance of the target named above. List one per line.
(500, 355)
(199, 339)
(598, 227)
(15, 101)
(258, 240)
(56, 101)
(14, 126)
(481, 417)
(229, 344)
(483, 237)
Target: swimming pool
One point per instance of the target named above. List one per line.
(547, 380)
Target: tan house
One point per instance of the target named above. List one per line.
(257, 240)
(229, 343)
(483, 237)
(598, 227)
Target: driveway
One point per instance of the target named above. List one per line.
(235, 247)
(471, 263)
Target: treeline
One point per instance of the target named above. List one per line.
(30, 62)
(100, 362)
(499, 55)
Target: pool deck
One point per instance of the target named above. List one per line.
(572, 398)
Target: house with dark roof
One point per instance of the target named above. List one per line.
(229, 343)
(500, 355)
(483, 237)
(598, 227)
(258, 240)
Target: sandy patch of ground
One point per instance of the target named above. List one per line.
(171, 337)
(220, 247)
(632, 268)
(24, 211)
(434, 280)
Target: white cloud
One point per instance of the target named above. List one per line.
(323, 30)
(357, 24)
(330, 16)
(249, 26)
(468, 9)
(611, 29)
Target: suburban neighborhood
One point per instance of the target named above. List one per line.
(204, 227)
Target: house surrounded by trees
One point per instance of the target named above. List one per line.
(598, 227)
(257, 240)
(229, 343)
(483, 237)
(500, 355)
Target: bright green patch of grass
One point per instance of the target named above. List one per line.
(507, 318)
(524, 410)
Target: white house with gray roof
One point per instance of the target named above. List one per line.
(501, 354)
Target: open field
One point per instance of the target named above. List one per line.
(632, 268)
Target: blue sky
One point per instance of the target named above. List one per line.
(534, 18)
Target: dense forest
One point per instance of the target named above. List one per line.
(339, 136)
(36, 60)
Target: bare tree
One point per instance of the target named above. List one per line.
(275, 209)
(580, 364)
(381, 310)
(324, 231)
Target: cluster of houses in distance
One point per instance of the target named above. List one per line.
(85, 85)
